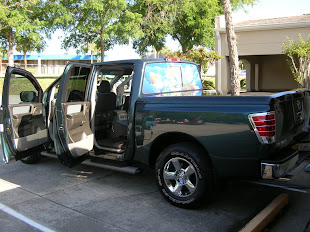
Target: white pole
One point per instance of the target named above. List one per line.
(39, 63)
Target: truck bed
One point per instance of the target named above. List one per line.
(221, 125)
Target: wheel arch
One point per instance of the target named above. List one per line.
(167, 139)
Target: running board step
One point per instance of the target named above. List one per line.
(125, 169)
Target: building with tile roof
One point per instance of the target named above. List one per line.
(259, 45)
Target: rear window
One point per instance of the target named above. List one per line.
(164, 78)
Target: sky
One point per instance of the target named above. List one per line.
(274, 9)
(261, 10)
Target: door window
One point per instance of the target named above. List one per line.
(77, 83)
(21, 90)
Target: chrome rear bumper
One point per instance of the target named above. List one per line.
(275, 169)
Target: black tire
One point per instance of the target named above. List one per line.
(32, 159)
(184, 175)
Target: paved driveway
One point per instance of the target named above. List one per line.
(92, 199)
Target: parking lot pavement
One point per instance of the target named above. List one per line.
(92, 199)
(9, 223)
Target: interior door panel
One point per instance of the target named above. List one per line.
(21, 115)
(28, 125)
(74, 137)
(79, 135)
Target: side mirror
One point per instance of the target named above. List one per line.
(28, 96)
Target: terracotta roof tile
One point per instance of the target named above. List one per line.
(291, 19)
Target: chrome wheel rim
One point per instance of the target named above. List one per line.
(180, 177)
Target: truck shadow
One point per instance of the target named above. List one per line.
(130, 202)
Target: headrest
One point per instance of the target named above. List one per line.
(104, 87)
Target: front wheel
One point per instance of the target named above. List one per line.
(184, 175)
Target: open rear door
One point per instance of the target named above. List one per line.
(22, 125)
(73, 135)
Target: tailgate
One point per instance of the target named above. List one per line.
(292, 116)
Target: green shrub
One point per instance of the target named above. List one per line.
(243, 83)
(208, 85)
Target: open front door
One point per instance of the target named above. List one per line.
(22, 125)
(73, 135)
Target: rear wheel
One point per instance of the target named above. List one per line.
(184, 175)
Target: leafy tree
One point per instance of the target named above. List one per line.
(92, 48)
(194, 21)
(298, 53)
(18, 17)
(164, 52)
(201, 56)
(3, 53)
(232, 49)
(28, 42)
(191, 23)
(157, 16)
(103, 22)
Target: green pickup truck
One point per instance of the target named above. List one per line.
(154, 112)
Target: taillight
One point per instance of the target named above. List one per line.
(264, 125)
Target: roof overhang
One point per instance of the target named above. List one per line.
(267, 27)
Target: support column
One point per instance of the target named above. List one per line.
(248, 75)
(256, 77)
